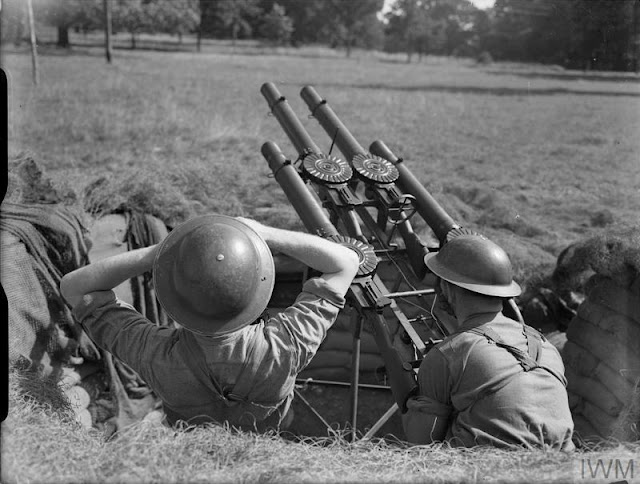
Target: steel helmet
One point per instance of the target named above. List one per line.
(474, 263)
(213, 274)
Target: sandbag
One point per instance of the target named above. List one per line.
(575, 401)
(583, 429)
(343, 323)
(625, 330)
(337, 340)
(584, 363)
(332, 374)
(602, 354)
(603, 290)
(602, 344)
(332, 359)
(594, 392)
(557, 339)
(600, 421)
(578, 358)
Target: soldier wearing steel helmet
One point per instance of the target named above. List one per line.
(493, 381)
(227, 362)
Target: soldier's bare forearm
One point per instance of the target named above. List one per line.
(107, 273)
(338, 263)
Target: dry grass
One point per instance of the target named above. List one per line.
(41, 443)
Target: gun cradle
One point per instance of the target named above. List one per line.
(365, 203)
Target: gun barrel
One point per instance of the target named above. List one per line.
(319, 108)
(306, 206)
(430, 210)
(288, 120)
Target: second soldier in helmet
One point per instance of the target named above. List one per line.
(493, 381)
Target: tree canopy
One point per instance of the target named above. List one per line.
(585, 34)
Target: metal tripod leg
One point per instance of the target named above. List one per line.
(313, 410)
(356, 320)
(381, 421)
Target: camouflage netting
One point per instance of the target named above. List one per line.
(602, 349)
(42, 239)
(45, 234)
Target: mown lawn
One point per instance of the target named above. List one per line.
(534, 158)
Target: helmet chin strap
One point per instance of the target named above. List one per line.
(431, 310)
(445, 305)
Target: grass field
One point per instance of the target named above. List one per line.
(535, 158)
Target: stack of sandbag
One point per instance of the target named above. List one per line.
(602, 352)
(334, 359)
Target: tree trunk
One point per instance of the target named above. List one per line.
(234, 34)
(63, 36)
(32, 38)
(133, 40)
(180, 38)
(199, 38)
(409, 55)
(108, 47)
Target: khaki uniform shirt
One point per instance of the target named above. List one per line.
(488, 397)
(289, 341)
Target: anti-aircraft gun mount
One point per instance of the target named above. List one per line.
(366, 203)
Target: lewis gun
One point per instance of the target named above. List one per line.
(366, 203)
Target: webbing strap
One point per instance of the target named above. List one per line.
(528, 360)
(248, 373)
(195, 359)
(534, 342)
(193, 356)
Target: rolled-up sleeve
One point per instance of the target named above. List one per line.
(307, 321)
(118, 328)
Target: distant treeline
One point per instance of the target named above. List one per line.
(583, 34)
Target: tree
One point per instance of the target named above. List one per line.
(175, 17)
(518, 26)
(431, 26)
(277, 26)
(352, 20)
(64, 14)
(605, 34)
(587, 34)
(130, 16)
(235, 15)
(12, 21)
(308, 18)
